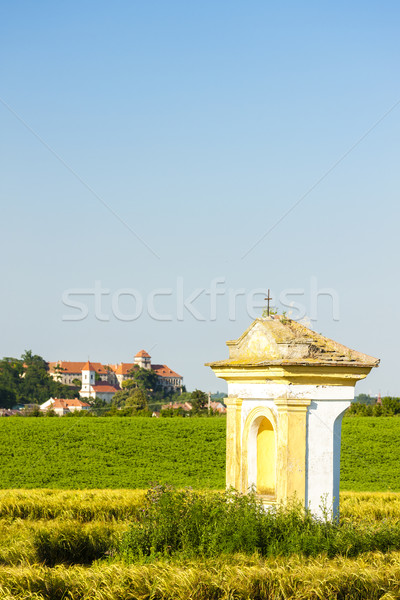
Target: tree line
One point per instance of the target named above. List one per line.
(27, 380)
(367, 406)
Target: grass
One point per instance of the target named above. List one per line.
(133, 452)
(370, 454)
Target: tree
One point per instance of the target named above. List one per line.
(137, 400)
(7, 398)
(180, 398)
(28, 378)
(29, 359)
(98, 406)
(364, 399)
(376, 411)
(173, 412)
(145, 379)
(33, 411)
(128, 384)
(362, 410)
(120, 398)
(11, 370)
(199, 401)
(50, 412)
(36, 384)
(132, 398)
(58, 370)
(390, 405)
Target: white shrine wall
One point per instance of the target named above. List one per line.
(323, 433)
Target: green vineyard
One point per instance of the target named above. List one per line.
(133, 452)
(111, 453)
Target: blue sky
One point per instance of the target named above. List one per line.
(149, 145)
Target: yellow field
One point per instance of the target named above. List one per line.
(374, 576)
(88, 505)
(370, 506)
(83, 505)
(22, 513)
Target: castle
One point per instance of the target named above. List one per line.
(103, 381)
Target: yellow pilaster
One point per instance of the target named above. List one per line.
(233, 442)
(291, 455)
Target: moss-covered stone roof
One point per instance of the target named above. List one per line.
(281, 341)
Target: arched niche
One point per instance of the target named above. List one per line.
(260, 453)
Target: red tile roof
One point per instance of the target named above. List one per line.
(75, 368)
(124, 368)
(164, 371)
(218, 407)
(67, 402)
(143, 353)
(104, 387)
(88, 367)
(71, 368)
(58, 404)
(186, 406)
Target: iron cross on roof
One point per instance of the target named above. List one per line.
(268, 299)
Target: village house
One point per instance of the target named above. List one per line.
(215, 407)
(218, 407)
(113, 375)
(9, 412)
(185, 406)
(63, 406)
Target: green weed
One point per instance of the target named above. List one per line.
(192, 523)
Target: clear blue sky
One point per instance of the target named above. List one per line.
(198, 125)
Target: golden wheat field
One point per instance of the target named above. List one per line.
(106, 514)
(374, 576)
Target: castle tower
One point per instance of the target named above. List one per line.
(88, 380)
(288, 388)
(142, 359)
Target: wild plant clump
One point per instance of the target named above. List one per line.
(194, 524)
